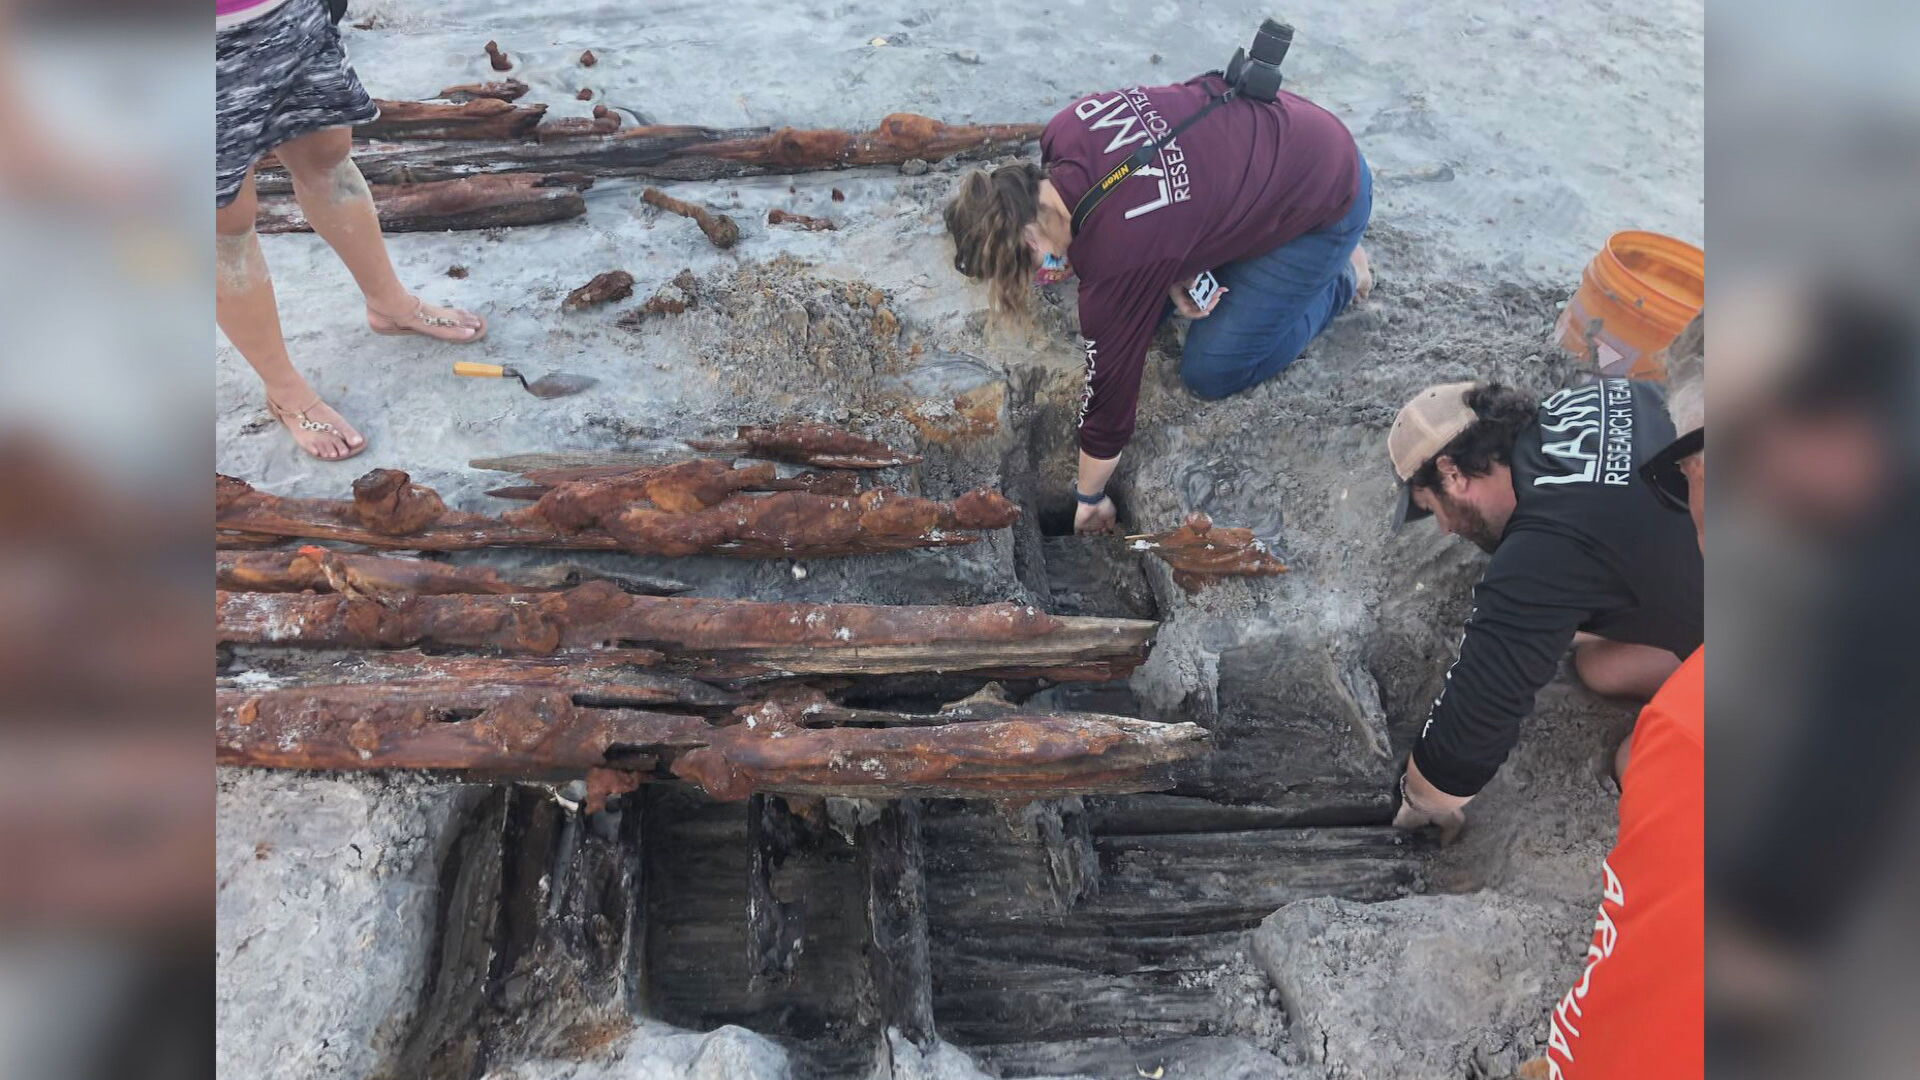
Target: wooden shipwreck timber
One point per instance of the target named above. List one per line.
(693, 508)
(480, 129)
(343, 660)
(474, 202)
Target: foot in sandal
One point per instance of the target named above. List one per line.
(319, 430)
(428, 320)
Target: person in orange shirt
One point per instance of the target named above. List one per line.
(1636, 1011)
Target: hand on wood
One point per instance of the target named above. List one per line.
(1422, 804)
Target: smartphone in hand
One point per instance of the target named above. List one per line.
(1204, 288)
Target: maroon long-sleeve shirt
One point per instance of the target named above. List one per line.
(1246, 179)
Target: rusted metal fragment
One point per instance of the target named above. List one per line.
(633, 512)
(507, 90)
(480, 117)
(719, 227)
(499, 59)
(670, 299)
(510, 729)
(777, 216)
(696, 633)
(1202, 553)
(606, 287)
(808, 444)
(477, 202)
(1033, 755)
(899, 137)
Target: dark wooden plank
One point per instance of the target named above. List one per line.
(898, 960)
(1156, 946)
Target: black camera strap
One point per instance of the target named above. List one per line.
(1139, 158)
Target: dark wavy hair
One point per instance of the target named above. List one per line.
(1503, 413)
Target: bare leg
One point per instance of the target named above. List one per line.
(337, 203)
(245, 308)
(1617, 669)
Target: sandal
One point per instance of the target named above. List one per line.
(438, 327)
(297, 422)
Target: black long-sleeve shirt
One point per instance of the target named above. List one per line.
(1588, 548)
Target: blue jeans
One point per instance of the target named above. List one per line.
(1276, 304)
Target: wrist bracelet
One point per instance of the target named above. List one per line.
(1088, 500)
(1406, 800)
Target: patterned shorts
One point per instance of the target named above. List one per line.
(278, 77)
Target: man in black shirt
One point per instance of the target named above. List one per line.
(1583, 552)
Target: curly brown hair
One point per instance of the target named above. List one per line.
(985, 220)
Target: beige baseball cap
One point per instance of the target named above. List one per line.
(1424, 428)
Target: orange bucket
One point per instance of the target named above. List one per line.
(1635, 297)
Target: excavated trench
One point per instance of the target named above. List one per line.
(1062, 936)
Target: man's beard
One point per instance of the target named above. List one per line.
(1471, 524)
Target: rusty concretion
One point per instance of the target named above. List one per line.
(966, 416)
(498, 59)
(530, 730)
(719, 227)
(796, 638)
(607, 678)
(691, 486)
(1202, 553)
(587, 59)
(808, 444)
(315, 569)
(599, 613)
(320, 570)
(690, 508)
(899, 137)
(478, 117)
(801, 523)
(434, 726)
(605, 287)
(770, 749)
(507, 90)
(388, 502)
(474, 202)
(778, 216)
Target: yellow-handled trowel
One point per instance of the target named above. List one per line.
(546, 386)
